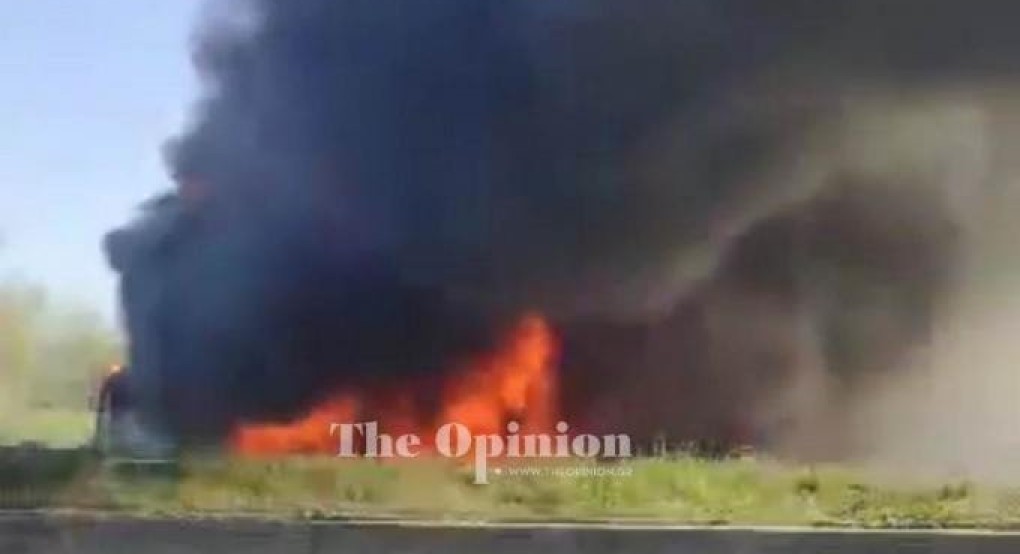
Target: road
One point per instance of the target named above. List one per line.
(32, 534)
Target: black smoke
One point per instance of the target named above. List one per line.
(377, 187)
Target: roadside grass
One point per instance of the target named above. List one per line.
(670, 490)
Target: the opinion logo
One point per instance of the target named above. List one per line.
(455, 440)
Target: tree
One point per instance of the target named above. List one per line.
(21, 306)
(50, 355)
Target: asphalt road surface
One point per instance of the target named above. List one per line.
(32, 534)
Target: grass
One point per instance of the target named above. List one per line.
(678, 490)
(50, 426)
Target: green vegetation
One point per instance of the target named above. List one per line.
(47, 426)
(51, 357)
(678, 490)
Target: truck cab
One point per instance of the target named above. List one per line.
(118, 433)
(112, 410)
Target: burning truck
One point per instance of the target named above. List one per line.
(513, 379)
(699, 220)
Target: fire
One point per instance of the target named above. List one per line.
(515, 382)
(308, 435)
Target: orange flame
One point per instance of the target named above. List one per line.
(516, 382)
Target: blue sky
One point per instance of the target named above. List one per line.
(89, 89)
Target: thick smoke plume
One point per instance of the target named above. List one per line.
(735, 211)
